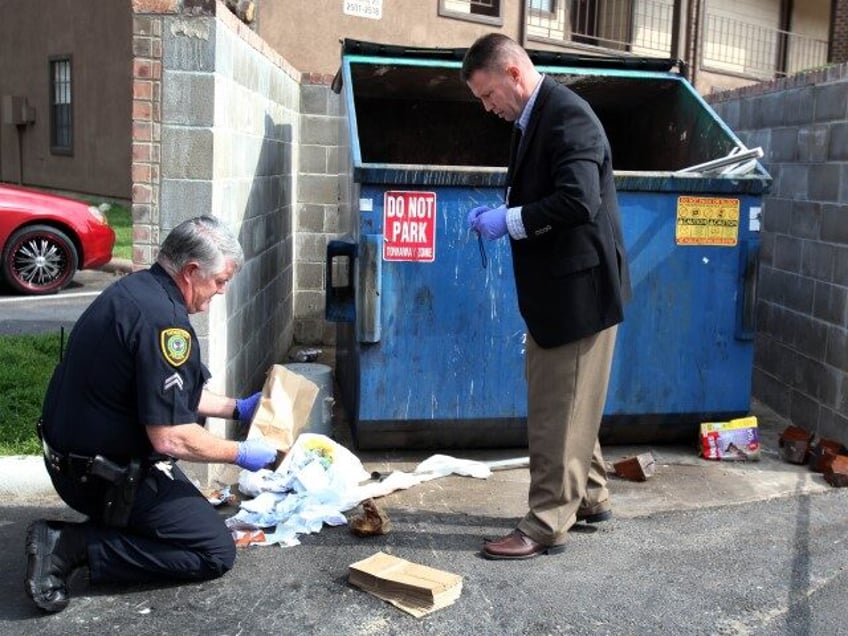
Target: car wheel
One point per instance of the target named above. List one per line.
(39, 259)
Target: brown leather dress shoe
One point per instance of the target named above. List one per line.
(594, 517)
(517, 545)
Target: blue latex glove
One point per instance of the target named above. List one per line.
(491, 224)
(254, 454)
(247, 406)
(472, 216)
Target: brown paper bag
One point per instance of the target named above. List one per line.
(284, 408)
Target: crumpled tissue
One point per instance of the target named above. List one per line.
(317, 482)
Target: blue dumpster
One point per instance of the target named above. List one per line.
(430, 344)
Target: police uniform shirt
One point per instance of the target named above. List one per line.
(132, 361)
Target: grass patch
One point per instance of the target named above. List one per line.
(120, 220)
(28, 362)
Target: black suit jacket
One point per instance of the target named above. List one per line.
(571, 271)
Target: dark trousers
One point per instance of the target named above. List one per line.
(173, 532)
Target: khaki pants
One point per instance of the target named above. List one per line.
(566, 392)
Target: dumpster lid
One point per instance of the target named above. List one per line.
(542, 58)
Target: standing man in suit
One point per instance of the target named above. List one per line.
(572, 279)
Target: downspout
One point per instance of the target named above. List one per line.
(675, 52)
(782, 61)
(693, 39)
(522, 22)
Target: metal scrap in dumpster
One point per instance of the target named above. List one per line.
(430, 346)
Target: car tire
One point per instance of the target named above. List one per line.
(39, 259)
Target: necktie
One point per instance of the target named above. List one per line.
(514, 144)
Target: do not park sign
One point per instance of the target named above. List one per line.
(409, 226)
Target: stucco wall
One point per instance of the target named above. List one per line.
(99, 45)
(801, 351)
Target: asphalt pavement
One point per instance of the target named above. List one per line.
(701, 547)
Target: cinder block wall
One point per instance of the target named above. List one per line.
(801, 349)
(319, 217)
(216, 130)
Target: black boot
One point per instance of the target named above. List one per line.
(54, 550)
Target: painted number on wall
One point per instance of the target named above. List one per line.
(364, 8)
(409, 226)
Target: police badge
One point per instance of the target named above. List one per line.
(176, 345)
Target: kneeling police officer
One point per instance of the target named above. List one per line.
(122, 406)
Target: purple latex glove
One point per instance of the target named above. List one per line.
(491, 224)
(247, 406)
(254, 454)
(472, 216)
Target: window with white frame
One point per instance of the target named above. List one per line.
(488, 11)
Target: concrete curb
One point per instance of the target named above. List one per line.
(24, 477)
(118, 266)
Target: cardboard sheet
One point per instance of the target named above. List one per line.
(416, 589)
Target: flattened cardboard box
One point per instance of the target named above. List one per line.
(416, 589)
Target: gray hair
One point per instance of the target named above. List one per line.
(203, 239)
(491, 52)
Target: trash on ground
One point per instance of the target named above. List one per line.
(837, 473)
(637, 468)
(794, 444)
(826, 456)
(823, 453)
(737, 439)
(319, 480)
(413, 588)
(221, 496)
(244, 538)
(507, 464)
(372, 522)
(308, 354)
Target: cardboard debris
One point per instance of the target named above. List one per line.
(413, 588)
(794, 444)
(637, 468)
(284, 408)
(737, 439)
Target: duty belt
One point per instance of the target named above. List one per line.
(80, 466)
(68, 464)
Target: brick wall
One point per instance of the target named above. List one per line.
(839, 32)
(146, 134)
(801, 350)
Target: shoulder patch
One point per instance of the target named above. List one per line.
(176, 345)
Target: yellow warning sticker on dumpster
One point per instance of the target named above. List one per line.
(707, 221)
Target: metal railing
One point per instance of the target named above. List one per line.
(742, 48)
(643, 27)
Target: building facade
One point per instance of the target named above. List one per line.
(66, 95)
(65, 67)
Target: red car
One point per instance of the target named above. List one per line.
(46, 238)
